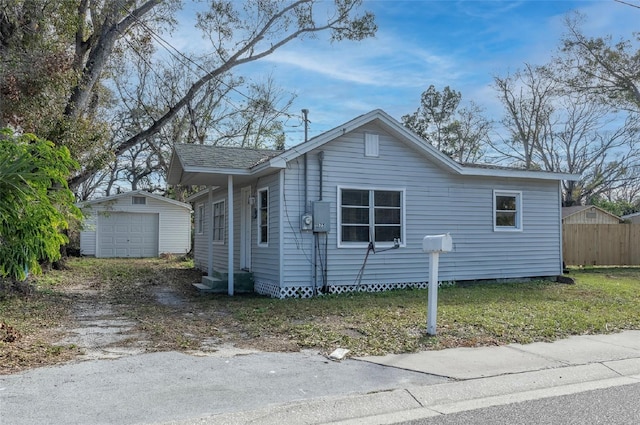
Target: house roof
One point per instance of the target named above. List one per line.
(133, 193)
(210, 165)
(569, 211)
(222, 157)
(627, 216)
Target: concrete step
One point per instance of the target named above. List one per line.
(202, 287)
(212, 281)
(243, 282)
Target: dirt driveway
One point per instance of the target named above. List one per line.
(145, 309)
(106, 309)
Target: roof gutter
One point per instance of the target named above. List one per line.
(540, 175)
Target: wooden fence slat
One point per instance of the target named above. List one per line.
(601, 244)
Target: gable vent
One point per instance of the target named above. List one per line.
(371, 145)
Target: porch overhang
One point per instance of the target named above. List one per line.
(210, 178)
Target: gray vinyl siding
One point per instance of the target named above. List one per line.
(298, 245)
(174, 236)
(88, 233)
(174, 223)
(265, 260)
(436, 201)
(201, 240)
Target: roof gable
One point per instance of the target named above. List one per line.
(134, 193)
(569, 211)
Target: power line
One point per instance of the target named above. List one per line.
(177, 54)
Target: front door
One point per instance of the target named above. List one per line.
(246, 205)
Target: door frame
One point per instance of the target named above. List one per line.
(246, 207)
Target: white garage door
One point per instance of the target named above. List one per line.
(127, 235)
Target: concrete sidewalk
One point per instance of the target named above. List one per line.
(306, 388)
(478, 377)
(481, 362)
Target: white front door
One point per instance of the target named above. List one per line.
(246, 208)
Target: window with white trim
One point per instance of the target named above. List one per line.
(218, 222)
(139, 200)
(263, 217)
(200, 219)
(370, 215)
(507, 210)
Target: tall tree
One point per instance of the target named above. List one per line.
(550, 127)
(600, 66)
(458, 133)
(217, 115)
(527, 97)
(468, 134)
(97, 32)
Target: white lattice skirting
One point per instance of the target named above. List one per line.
(274, 290)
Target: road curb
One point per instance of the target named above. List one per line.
(439, 399)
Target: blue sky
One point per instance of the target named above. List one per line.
(460, 44)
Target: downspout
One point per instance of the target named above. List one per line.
(281, 227)
(305, 113)
(326, 236)
(230, 235)
(561, 228)
(320, 159)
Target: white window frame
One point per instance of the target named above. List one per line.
(218, 231)
(518, 213)
(371, 190)
(142, 200)
(200, 211)
(260, 208)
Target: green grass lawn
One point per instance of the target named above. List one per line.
(603, 300)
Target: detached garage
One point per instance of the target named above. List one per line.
(135, 224)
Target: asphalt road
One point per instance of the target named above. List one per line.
(162, 387)
(610, 406)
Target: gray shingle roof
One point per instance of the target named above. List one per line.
(222, 157)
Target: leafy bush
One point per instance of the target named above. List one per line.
(36, 203)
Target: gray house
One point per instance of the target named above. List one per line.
(348, 210)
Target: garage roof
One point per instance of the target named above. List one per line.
(134, 193)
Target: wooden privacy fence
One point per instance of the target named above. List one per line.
(601, 244)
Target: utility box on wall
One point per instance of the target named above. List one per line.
(321, 216)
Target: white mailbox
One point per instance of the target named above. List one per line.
(437, 243)
(434, 245)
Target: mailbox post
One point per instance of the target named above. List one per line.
(434, 245)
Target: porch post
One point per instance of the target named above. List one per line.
(230, 235)
(210, 233)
